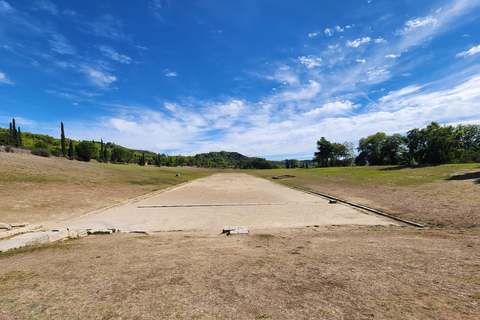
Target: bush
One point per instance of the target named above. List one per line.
(42, 153)
(8, 149)
(86, 150)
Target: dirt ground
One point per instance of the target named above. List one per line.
(309, 270)
(307, 273)
(36, 189)
(225, 199)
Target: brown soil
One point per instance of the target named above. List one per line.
(308, 273)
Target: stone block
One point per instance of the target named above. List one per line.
(235, 230)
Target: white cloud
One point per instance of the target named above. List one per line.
(109, 52)
(331, 109)
(60, 44)
(170, 74)
(313, 34)
(393, 56)
(358, 42)
(97, 77)
(310, 61)
(328, 32)
(469, 52)
(362, 61)
(377, 73)
(338, 29)
(305, 92)
(413, 24)
(4, 79)
(393, 95)
(380, 40)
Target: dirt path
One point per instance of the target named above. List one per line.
(230, 199)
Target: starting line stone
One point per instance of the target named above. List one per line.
(235, 230)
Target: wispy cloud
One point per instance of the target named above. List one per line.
(4, 79)
(48, 6)
(169, 73)
(310, 61)
(313, 34)
(109, 52)
(60, 44)
(98, 77)
(416, 23)
(107, 26)
(358, 42)
(5, 6)
(469, 52)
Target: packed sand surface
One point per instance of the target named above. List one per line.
(227, 199)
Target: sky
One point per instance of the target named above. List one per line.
(265, 78)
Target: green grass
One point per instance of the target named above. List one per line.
(393, 175)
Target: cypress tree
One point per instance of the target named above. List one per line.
(64, 147)
(19, 137)
(71, 151)
(11, 129)
(101, 151)
(14, 130)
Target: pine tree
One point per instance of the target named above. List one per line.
(71, 150)
(64, 147)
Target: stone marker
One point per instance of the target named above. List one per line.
(235, 230)
(19, 224)
(6, 226)
(139, 231)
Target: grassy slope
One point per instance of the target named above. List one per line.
(442, 196)
(36, 189)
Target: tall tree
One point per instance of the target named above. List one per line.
(102, 153)
(63, 142)
(19, 137)
(324, 153)
(71, 150)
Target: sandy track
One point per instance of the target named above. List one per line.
(226, 200)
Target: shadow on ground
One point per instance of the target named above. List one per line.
(466, 176)
(400, 168)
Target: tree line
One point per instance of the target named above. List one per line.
(45, 145)
(434, 144)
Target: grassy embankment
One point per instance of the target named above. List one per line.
(437, 196)
(36, 189)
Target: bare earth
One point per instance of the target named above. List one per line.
(227, 199)
(303, 259)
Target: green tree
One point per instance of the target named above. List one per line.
(71, 150)
(19, 137)
(86, 150)
(324, 153)
(64, 147)
(370, 150)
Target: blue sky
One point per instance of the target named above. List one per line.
(264, 78)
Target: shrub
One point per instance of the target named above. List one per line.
(8, 149)
(86, 150)
(42, 153)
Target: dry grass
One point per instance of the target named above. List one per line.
(336, 273)
(36, 189)
(314, 272)
(437, 196)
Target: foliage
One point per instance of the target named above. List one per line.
(42, 152)
(63, 142)
(333, 154)
(121, 155)
(86, 150)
